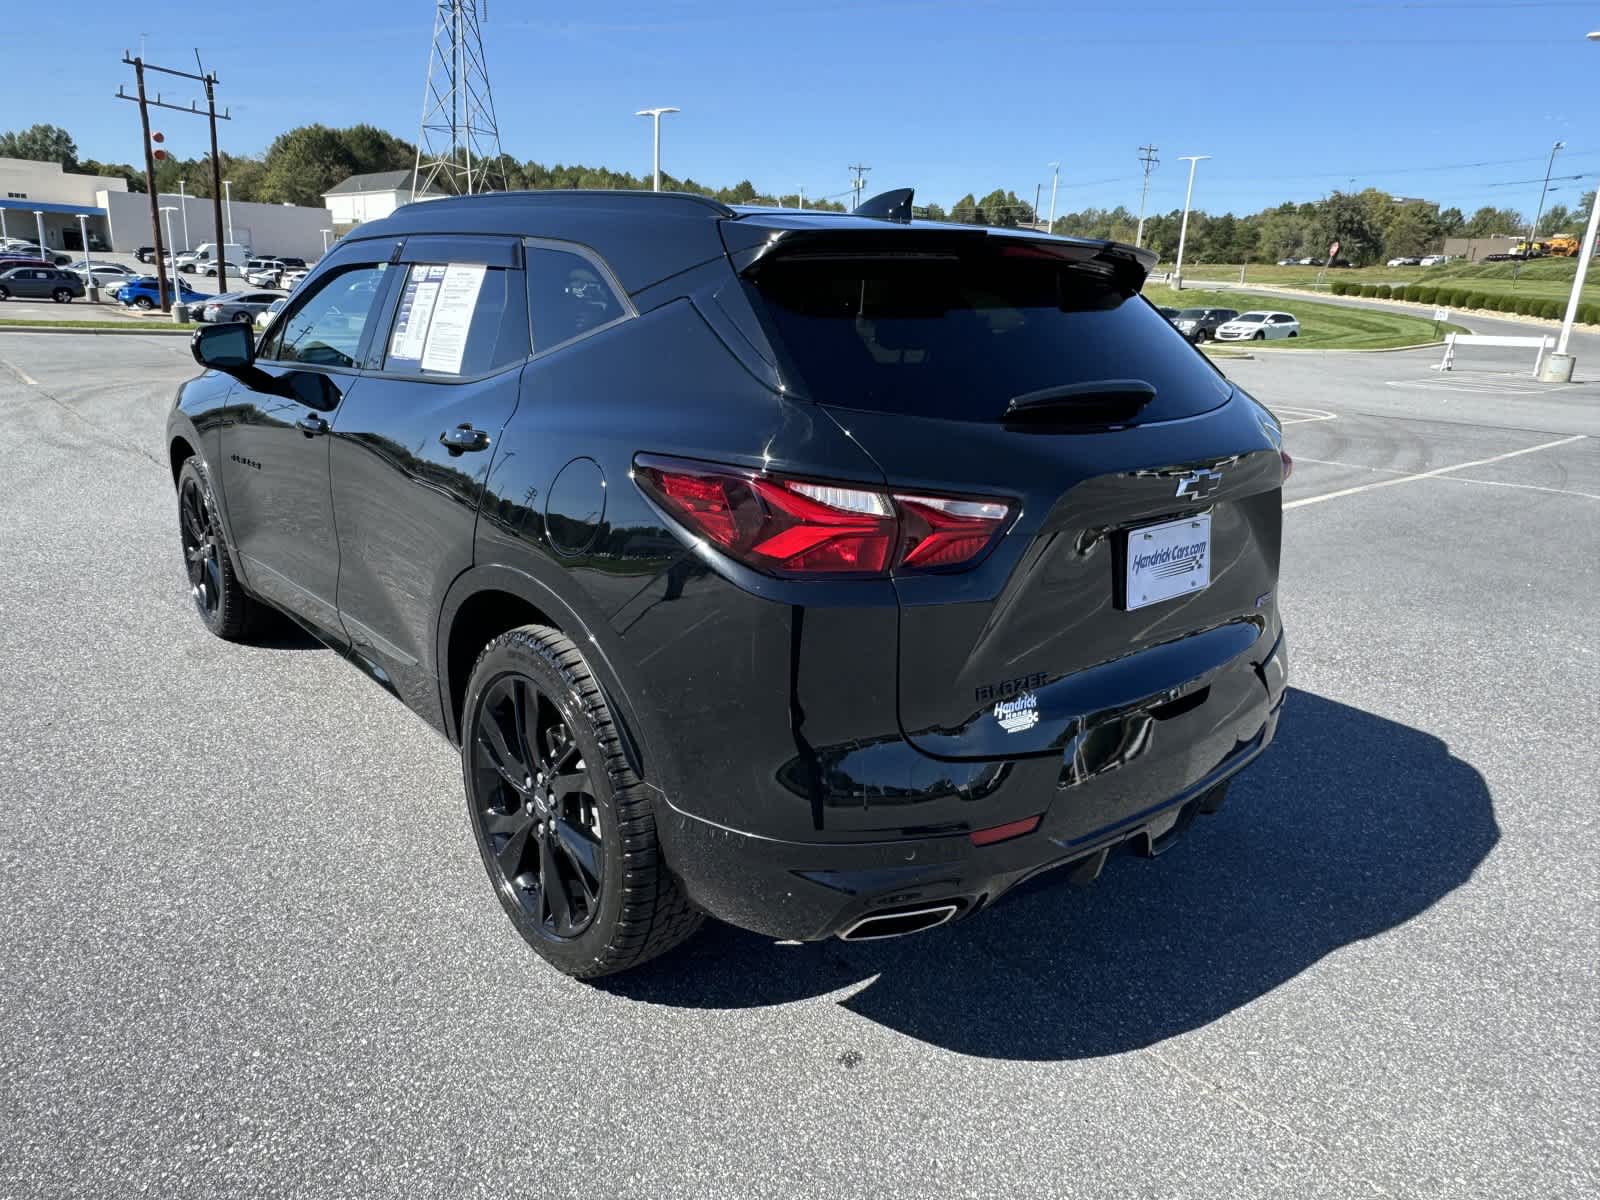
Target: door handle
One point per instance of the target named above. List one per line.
(311, 425)
(463, 438)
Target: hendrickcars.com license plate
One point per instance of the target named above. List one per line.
(1167, 560)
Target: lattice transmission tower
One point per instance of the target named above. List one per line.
(458, 149)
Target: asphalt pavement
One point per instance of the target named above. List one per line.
(249, 950)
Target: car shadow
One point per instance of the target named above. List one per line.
(1350, 825)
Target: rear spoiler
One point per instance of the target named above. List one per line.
(755, 239)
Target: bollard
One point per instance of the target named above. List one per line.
(180, 313)
(1557, 368)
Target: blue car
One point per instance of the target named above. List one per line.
(145, 293)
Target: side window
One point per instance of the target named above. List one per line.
(458, 319)
(567, 297)
(325, 327)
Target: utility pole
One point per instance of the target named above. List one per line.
(1147, 156)
(802, 197)
(1194, 160)
(1533, 230)
(1055, 178)
(209, 79)
(861, 179)
(1037, 188)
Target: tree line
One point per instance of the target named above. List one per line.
(1370, 226)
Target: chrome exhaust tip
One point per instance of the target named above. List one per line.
(877, 926)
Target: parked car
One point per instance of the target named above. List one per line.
(1198, 324)
(234, 270)
(144, 293)
(1170, 314)
(702, 650)
(1434, 260)
(264, 317)
(1258, 326)
(238, 306)
(1405, 262)
(10, 261)
(104, 274)
(40, 283)
(293, 279)
(264, 272)
(1288, 262)
(145, 254)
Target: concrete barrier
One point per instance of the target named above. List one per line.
(1541, 343)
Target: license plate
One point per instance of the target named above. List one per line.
(1168, 560)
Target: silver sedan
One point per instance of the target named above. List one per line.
(238, 306)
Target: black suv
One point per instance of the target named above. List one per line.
(827, 574)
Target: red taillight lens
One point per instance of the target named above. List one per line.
(790, 527)
(1288, 464)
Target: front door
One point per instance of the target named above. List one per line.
(275, 451)
(412, 447)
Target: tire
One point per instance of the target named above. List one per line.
(144, 303)
(4, 294)
(244, 318)
(223, 605)
(614, 905)
(1199, 337)
(61, 296)
(1294, 333)
(1261, 336)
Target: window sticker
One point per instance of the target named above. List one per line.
(416, 313)
(452, 317)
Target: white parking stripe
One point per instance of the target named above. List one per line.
(1301, 415)
(1383, 483)
(1527, 487)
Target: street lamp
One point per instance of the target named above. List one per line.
(38, 220)
(656, 114)
(88, 271)
(1055, 178)
(325, 234)
(1533, 230)
(227, 192)
(183, 202)
(1557, 368)
(1193, 160)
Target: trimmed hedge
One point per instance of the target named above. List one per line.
(1369, 290)
(1427, 295)
(1340, 288)
(1385, 291)
(1554, 310)
(1589, 314)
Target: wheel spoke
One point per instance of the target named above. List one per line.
(514, 853)
(506, 823)
(213, 581)
(584, 852)
(554, 886)
(191, 526)
(574, 783)
(493, 739)
(519, 718)
(561, 748)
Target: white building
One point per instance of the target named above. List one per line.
(34, 193)
(372, 197)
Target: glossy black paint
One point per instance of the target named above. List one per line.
(819, 748)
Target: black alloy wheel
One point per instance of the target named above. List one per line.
(4, 294)
(144, 302)
(1261, 335)
(537, 807)
(564, 825)
(218, 597)
(61, 296)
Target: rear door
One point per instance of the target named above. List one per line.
(275, 450)
(412, 447)
(918, 352)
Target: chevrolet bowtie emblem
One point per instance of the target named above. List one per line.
(1198, 485)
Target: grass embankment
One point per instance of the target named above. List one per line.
(1322, 326)
(1545, 278)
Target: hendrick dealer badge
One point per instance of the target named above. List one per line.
(1168, 560)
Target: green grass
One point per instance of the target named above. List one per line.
(1545, 278)
(1322, 326)
(125, 326)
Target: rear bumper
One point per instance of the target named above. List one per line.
(812, 890)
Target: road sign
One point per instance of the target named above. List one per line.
(1441, 314)
(1333, 252)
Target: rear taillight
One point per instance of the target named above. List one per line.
(799, 527)
(1288, 464)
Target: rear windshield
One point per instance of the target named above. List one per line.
(958, 336)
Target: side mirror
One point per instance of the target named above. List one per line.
(229, 347)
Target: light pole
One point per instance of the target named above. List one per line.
(1557, 368)
(88, 271)
(1193, 160)
(1055, 178)
(656, 114)
(183, 200)
(38, 220)
(5, 236)
(227, 192)
(167, 209)
(802, 197)
(325, 234)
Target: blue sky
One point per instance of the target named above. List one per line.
(1291, 99)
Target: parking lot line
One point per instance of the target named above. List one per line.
(1302, 415)
(1481, 462)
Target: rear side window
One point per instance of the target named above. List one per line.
(458, 320)
(958, 336)
(568, 297)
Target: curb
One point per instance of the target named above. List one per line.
(4, 328)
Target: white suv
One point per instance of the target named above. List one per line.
(1258, 327)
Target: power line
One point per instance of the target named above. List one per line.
(861, 178)
(1147, 156)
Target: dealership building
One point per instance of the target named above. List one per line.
(35, 194)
